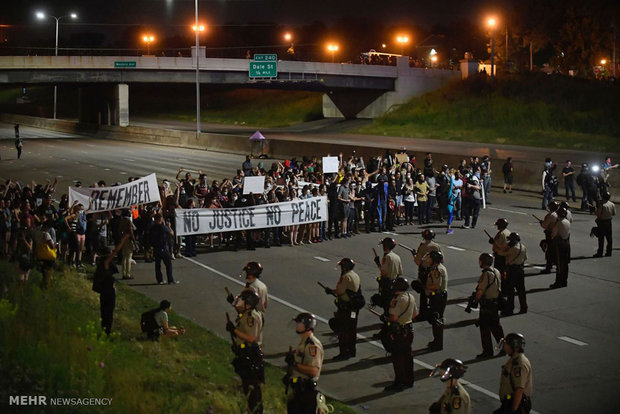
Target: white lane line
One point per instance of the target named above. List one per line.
(391, 234)
(123, 173)
(321, 319)
(572, 340)
(456, 248)
(321, 258)
(107, 169)
(462, 305)
(507, 211)
(128, 159)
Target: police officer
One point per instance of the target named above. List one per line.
(499, 242)
(390, 267)
(401, 313)
(515, 387)
(427, 246)
(547, 245)
(345, 317)
(246, 333)
(487, 294)
(561, 241)
(305, 367)
(605, 211)
(436, 292)
(515, 254)
(253, 271)
(455, 399)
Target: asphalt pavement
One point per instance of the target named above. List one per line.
(571, 333)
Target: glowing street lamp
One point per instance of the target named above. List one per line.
(199, 28)
(402, 40)
(42, 16)
(148, 39)
(332, 48)
(288, 37)
(603, 62)
(491, 23)
(383, 45)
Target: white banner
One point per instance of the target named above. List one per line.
(141, 191)
(206, 220)
(330, 165)
(254, 185)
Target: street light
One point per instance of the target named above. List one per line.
(603, 62)
(491, 22)
(148, 39)
(333, 48)
(288, 37)
(42, 16)
(403, 40)
(197, 29)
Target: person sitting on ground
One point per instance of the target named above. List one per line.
(161, 318)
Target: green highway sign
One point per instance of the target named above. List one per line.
(263, 69)
(125, 64)
(266, 58)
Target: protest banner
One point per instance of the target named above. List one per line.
(206, 220)
(330, 165)
(402, 158)
(254, 185)
(140, 191)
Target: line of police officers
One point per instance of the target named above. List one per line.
(399, 312)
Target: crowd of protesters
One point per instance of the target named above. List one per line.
(374, 195)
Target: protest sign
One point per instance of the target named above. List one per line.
(330, 165)
(254, 185)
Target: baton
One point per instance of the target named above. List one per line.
(232, 334)
(407, 248)
(325, 287)
(536, 218)
(227, 292)
(487, 233)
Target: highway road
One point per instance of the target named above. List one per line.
(572, 333)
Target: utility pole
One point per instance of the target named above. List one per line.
(506, 47)
(531, 65)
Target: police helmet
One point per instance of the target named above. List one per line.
(444, 167)
(584, 165)
(400, 284)
(515, 340)
(452, 368)
(346, 263)
(428, 234)
(562, 212)
(388, 243)
(307, 319)
(606, 196)
(250, 297)
(514, 238)
(553, 206)
(564, 204)
(436, 256)
(253, 268)
(501, 223)
(486, 259)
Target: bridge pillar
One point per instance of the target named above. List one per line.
(104, 104)
(347, 103)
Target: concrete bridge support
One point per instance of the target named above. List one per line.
(104, 104)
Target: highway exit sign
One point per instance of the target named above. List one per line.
(125, 64)
(266, 58)
(263, 69)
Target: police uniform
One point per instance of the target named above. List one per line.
(303, 399)
(455, 400)
(403, 306)
(548, 224)
(391, 267)
(248, 362)
(604, 215)
(437, 299)
(489, 323)
(346, 316)
(424, 249)
(561, 241)
(516, 373)
(261, 290)
(515, 277)
(499, 242)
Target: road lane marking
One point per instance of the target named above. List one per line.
(123, 173)
(464, 306)
(321, 258)
(572, 340)
(507, 211)
(325, 321)
(106, 169)
(390, 233)
(456, 248)
(128, 159)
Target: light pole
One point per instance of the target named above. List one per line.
(42, 16)
(148, 39)
(333, 48)
(403, 40)
(491, 23)
(197, 29)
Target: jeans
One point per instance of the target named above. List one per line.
(430, 206)
(473, 210)
(409, 211)
(159, 256)
(547, 197)
(422, 211)
(458, 206)
(570, 185)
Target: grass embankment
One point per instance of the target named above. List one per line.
(51, 345)
(261, 108)
(541, 110)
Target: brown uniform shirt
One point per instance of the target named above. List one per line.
(500, 240)
(348, 281)
(309, 352)
(424, 249)
(515, 255)
(437, 276)
(250, 322)
(606, 211)
(516, 373)
(261, 290)
(404, 308)
(455, 401)
(391, 266)
(488, 282)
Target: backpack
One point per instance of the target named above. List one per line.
(356, 299)
(149, 325)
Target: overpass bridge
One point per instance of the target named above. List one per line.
(363, 91)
